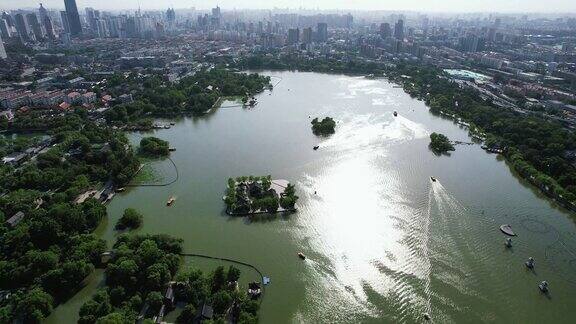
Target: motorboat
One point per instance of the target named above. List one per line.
(433, 179)
(170, 201)
(301, 256)
(508, 243)
(507, 229)
(395, 114)
(543, 286)
(530, 263)
(316, 147)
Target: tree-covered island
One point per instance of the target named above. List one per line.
(253, 195)
(324, 127)
(439, 143)
(154, 147)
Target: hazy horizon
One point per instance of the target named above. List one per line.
(445, 6)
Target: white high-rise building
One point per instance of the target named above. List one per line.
(3, 54)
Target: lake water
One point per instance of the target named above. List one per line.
(384, 243)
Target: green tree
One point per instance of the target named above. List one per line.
(130, 219)
(34, 306)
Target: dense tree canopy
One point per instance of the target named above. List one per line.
(154, 147)
(439, 143)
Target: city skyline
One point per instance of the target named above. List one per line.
(447, 6)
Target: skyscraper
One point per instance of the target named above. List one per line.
(6, 16)
(43, 12)
(2, 50)
(73, 17)
(385, 30)
(22, 27)
(5, 29)
(49, 27)
(65, 22)
(399, 29)
(322, 32)
(34, 24)
(92, 17)
(293, 36)
(307, 35)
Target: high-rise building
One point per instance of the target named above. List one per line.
(293, 36)
(73, 17)
(65, 22)
(307, 35)
(22, 28)
(5, 30)
(3, 54)
(49, 27)
(6, 16)
(34, 24)
(43, 13)
(399, 29)
(385, 30)
(322, 32)
(91, 16)
(102, 28)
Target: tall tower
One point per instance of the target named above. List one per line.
(73, 17)
(399, 29)
(3, 54)
(22, 27)
(34, 24)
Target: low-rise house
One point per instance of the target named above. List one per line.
(64, 105)
(205, 313)
(88, 97)
(126, 98)
(73, 98)
(15, 159)
(15, 219)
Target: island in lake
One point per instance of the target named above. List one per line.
(439, 143)
(324, 127)
(255, 195)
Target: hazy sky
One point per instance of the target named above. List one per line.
(540, 6)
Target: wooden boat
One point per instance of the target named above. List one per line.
(507, 229)
(301, 256)
(316, 147)
(433, 179)
(170, 201)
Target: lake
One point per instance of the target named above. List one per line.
(383, 242)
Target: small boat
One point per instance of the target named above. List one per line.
(543, 286)
(172, 149)
(395, 114)
(433, 179)
(172, 123)
(265, 280)
(508, 243)
(507, 229)
(301, 256)
(530, 263)
(121, 189)
(166, 126)
(316, 147)
(170, 201)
